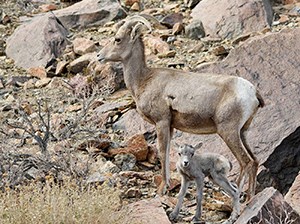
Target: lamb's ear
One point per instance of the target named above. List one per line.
(198, 146)
(136, 31)
(177, 147)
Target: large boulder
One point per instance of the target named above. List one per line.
(293, 196)
(229, 19)
(270, 62)
(146, 211)
(37, 42)
(266, 207)
(89, 13)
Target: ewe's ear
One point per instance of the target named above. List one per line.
(198, 146)
(136, 31)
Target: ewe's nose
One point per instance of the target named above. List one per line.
(185, 163)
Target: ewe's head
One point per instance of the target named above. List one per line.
(186, 153)
(122, 45)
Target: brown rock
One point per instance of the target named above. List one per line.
(136, 145)
(219, 50)
(145, 212)
(108, 76)
(177, 28)
(42, 82)
(293, 196)
(82, 62)
(129, 3)
(47, 7)
(229, 19)
(135, 7)
(38, 72)
(82, 46)
(171, 19)
(37, 42)
(133, 192)
(168, 54)
(61, 67)
(283, 19)
(156, 44)
(88, 13)
(268, 207)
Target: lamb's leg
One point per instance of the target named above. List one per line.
(164, 131)
(200, 184)
(181, 195)
(221, 180)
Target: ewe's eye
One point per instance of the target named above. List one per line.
(192, 154)
(179, 154)
(117, 40)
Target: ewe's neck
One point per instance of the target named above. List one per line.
(135, 68)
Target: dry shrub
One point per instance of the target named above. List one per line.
(60, 204)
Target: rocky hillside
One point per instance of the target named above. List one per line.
(65, 115)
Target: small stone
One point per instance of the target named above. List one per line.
(195, 30)
(135, 7)
(136, 145)
(47, 7)
(74, 108)
(129, 3)
(171, 19)
(197, 48)
(219, 50)
(61, 67)
(125, 162)
(42, 83)
(82, 46)
(133, 193)
(156, 44)
(168, 54)
(39, 72)
(177, 28)
(82, 62)
(283, 19)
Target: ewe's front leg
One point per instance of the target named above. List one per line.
(182, 192)
(200, 185)
(164, 131)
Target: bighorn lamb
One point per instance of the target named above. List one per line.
(190, 102)
(196, 167)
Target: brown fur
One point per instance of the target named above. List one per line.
(191, 102)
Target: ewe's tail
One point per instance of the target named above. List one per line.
(260, 99)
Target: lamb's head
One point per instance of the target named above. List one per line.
(123, 44)
(186, 153)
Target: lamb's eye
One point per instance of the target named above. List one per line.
(192, 154)
(179, 154)
(117, 40)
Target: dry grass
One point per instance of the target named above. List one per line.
(63, 205)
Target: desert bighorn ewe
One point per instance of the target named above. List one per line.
(196, 167)
(190, 102)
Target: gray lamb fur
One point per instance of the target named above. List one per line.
(195, 167)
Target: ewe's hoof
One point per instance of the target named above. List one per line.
(197, 221)
(172, 216)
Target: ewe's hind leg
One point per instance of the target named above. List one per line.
(221, 180)
(234, 142)
(253, 168)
